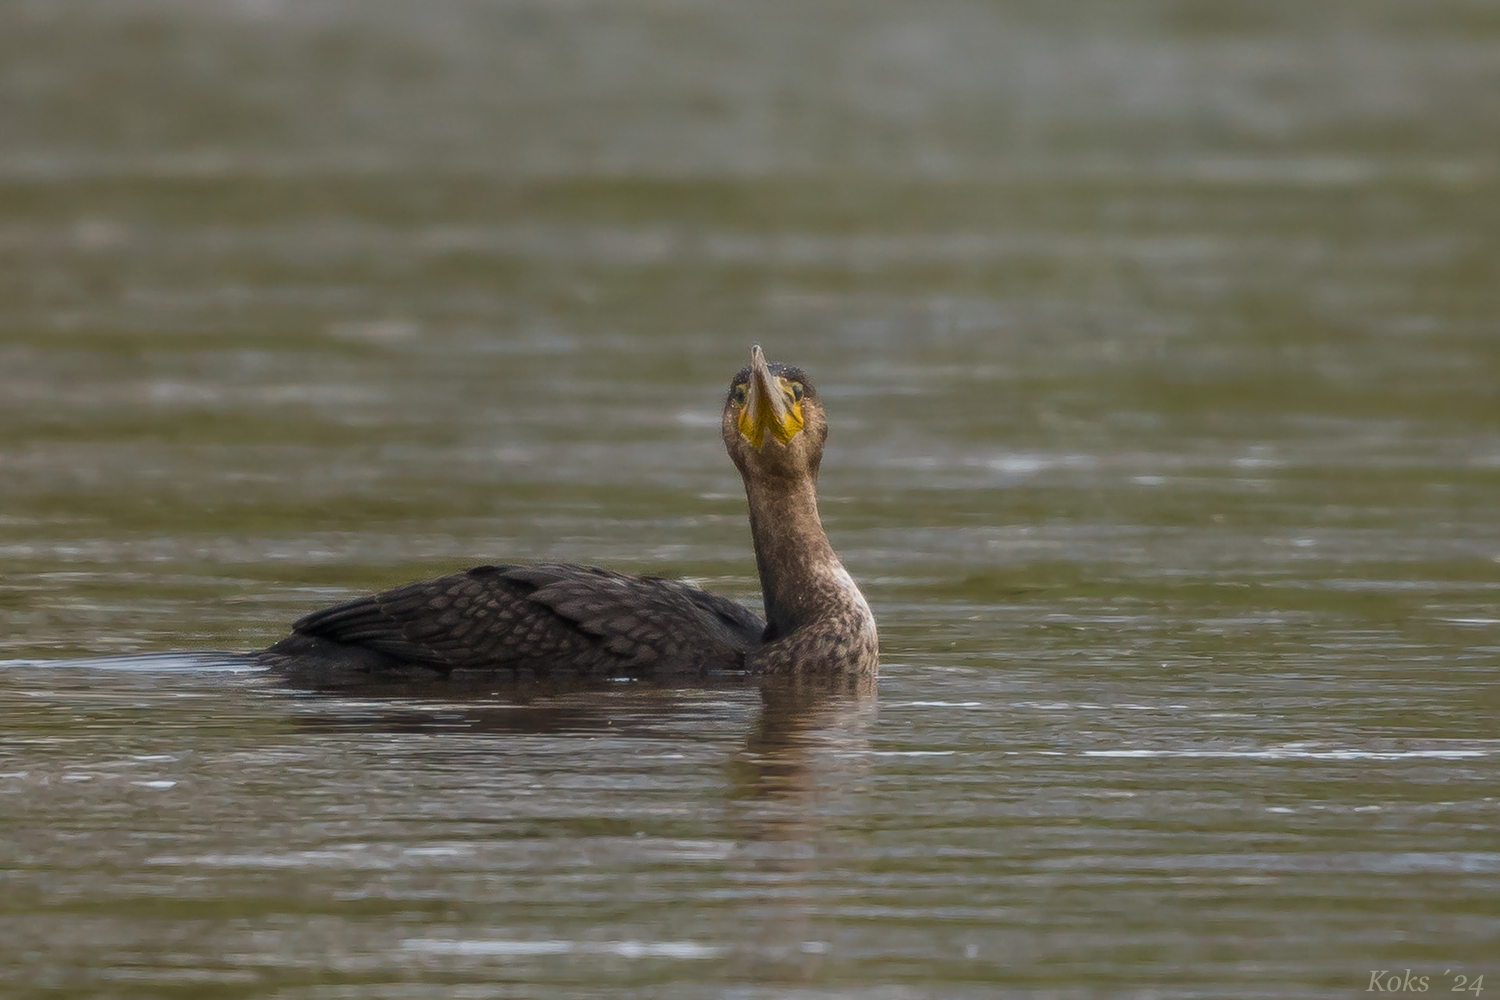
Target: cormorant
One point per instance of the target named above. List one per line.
(563, 622)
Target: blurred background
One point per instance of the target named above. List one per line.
(1161, 344)
(335, 292)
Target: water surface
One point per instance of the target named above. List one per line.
(1160, 349)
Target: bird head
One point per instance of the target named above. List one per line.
(773, 424)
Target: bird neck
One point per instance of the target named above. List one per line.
(799, 572)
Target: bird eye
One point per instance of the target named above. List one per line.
(738, 394)
(797, 390)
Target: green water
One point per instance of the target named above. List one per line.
(1161, 353)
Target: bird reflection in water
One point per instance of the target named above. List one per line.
(792, 724)
(801, 759)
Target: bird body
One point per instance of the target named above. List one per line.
(564, 622)
(537, 621)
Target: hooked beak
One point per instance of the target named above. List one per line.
(768, 406)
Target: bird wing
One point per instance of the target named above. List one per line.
(640, 617)
(547, 615)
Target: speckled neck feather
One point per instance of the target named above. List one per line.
(817, 622)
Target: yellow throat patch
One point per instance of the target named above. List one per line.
(760, 415)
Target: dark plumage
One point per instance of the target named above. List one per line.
(564, 623)
(572, 621)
